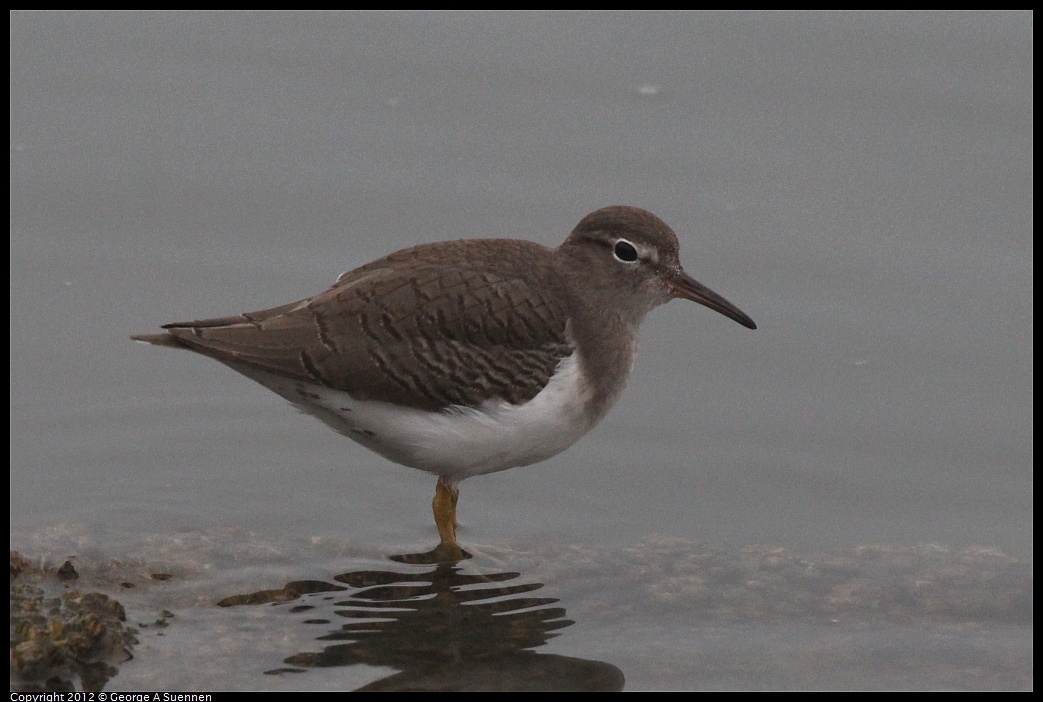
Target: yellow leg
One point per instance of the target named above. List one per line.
(444, 507)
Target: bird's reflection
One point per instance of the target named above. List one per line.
(440, 627)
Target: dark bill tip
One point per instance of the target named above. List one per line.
(688, 288)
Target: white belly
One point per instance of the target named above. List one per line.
(460, 441)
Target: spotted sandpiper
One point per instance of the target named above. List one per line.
(465, 357)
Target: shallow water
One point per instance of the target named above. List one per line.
(860, 184)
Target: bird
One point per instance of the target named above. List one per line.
(461, 358)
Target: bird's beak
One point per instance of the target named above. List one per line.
(684, 286)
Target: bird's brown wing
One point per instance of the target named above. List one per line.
(407, 331)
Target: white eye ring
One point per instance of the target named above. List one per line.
(624, 251)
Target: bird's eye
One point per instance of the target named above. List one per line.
(624, 251)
